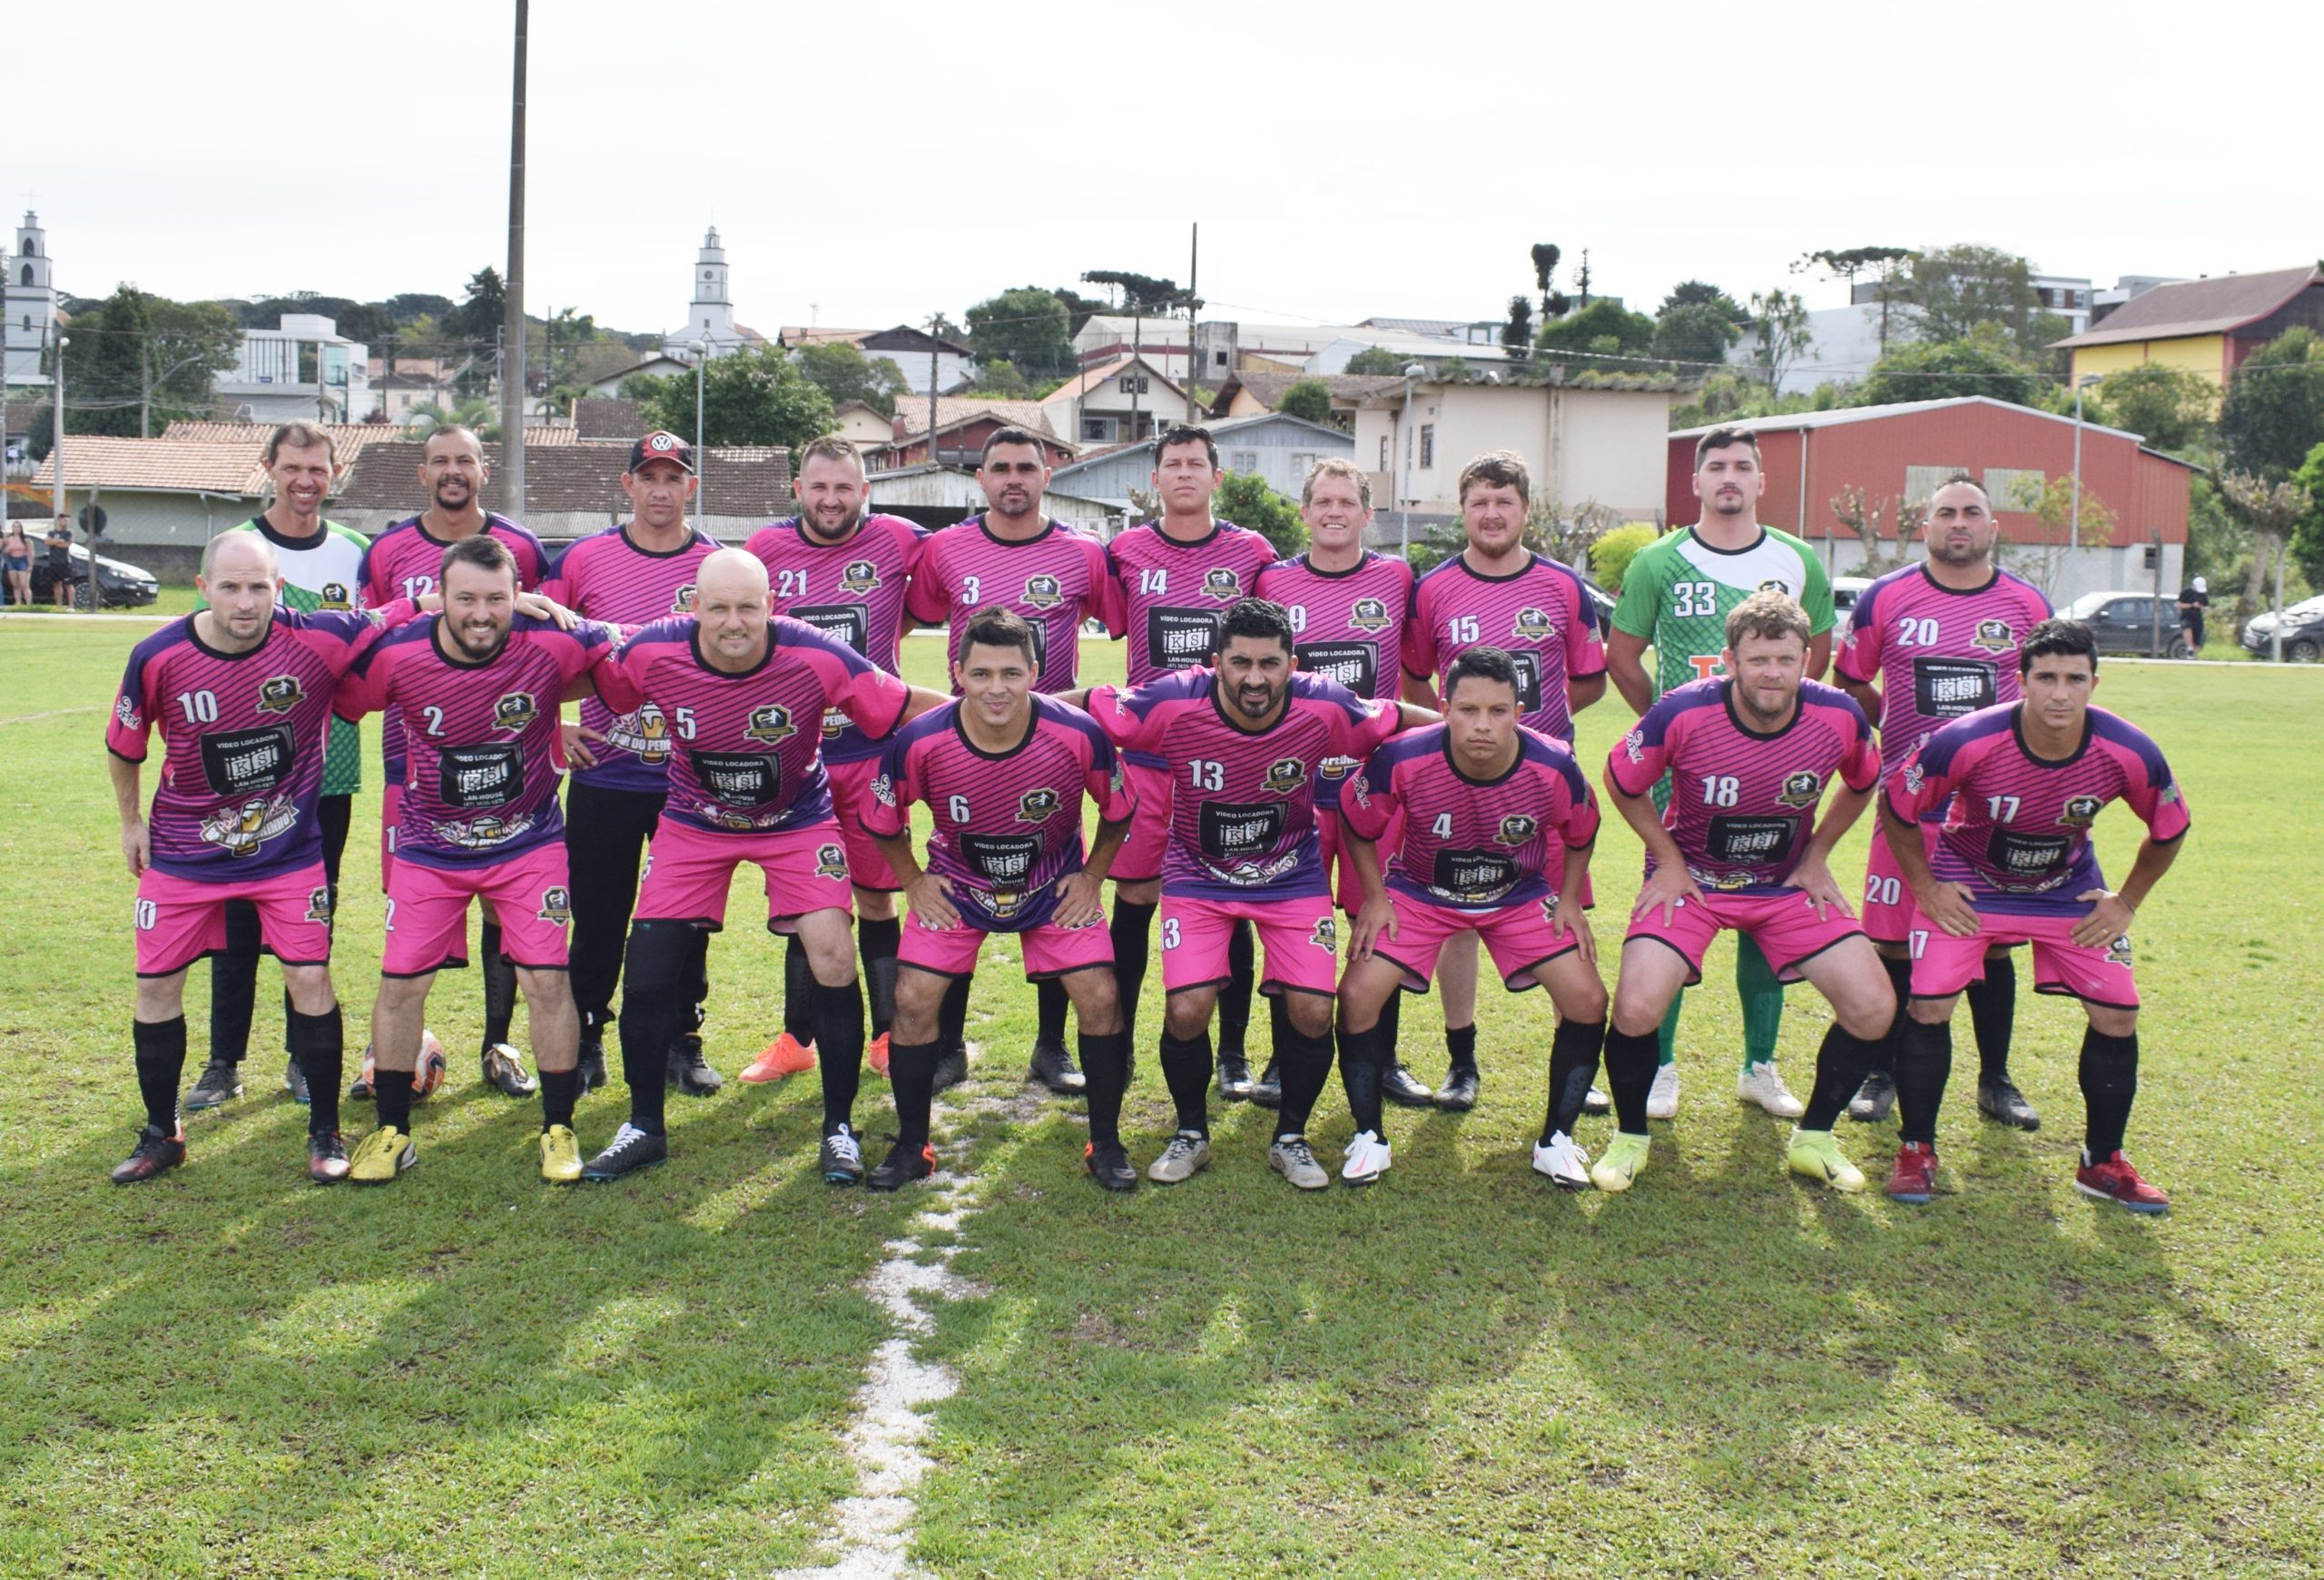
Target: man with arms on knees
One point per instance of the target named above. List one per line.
(844, 572)
(241, 692)
(1497, 592)
(1003, 773)
(1052, 577)
(403, 562)
(318, 561)
(2022, 783)
(746, 695)
(627, 576)
(1482, 805)
(1750, 753)
(1244, 741)
(1942, 640)
(480, 686)
(1676, 597)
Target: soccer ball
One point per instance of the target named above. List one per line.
(429, 1073)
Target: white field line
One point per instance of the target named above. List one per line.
(51, 713)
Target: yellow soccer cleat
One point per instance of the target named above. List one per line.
(382, 1155)
(560, 1155)
(1816, 1155)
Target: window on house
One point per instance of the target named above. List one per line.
(1427, 444)
(1920, 482)
(1242, 461)
(1383, 452)
(1219, 358)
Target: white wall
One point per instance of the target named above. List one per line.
(1610, 446)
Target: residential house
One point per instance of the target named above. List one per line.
(862, 424)
(599, 421)
(962, 425)
(1597, 439)
(1250, 394)
(2200, 326)
(937, 496)
(1118, 401)
(304, 368)
(395, 396)
(1271, 445)
(929, 361)
(657, 366)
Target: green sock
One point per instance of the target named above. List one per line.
(1665, 1036)
(1762, 996)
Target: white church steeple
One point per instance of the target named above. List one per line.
(31, 302)
(710, 316)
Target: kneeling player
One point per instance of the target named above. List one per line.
(1003, 773)
(2014, 864)
(1480, 799)
(1749, 754)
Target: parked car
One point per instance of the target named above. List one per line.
(2125, 622)
(2303, 629)
(1846, 590)
(118, 583)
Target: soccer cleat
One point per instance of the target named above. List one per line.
(688, 1071)
(1562, 1163)
(591, 1060)
(327, 1158)
(1110, 1165)
(1187, 1155)
(1368, 1158)
(1762, 1084)
(1815, 1155)
(785, 1056)
(951, 1069)
(503, 1070)
(876, 1055)
(2003, 1102)
(901, 1166)
(1266, 1092)
(1596, 1101)
(382, 1155)
(1913, 1179)
(361, 1087)
(1874, 1099)
(842, 1158)
(1619, 1165)
(2113, 1180)
(1663, 1101)
(1234, 1078)
(1459, 1093)
(219, 1083)
(294, 1082)
(1402, 1088)
(1054, 1068)
(1291, 1157)
(631, 1149)
(560, 1155)
(155, 1151)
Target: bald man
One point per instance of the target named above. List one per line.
(743, 692)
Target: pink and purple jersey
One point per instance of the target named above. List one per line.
(1473, 844)
(2018, 830)
(403, 562)
(1540, 615)
(855, 590)
(746, 749)
(1939, 653)
(1174, 593)
(481, 766)
(1243, 805)
(1348, 626)
(243, 736)
(1007, 825)
(1743, 804)
(1054, 581)
(606, 577)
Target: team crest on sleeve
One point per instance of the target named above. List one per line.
(1037, 805)
(771, 724)
(124, 710)
(2169, 792)
(2081, 811)
(860, 575)
(515, 710)
(280, 694)
(1220, 583)
(681, 600)
(1326, 936)
(319, 904)
(1370, 614)
(1044, 591)
(1915, 777)
(1993, 637)
(240, 830)
(1634, 744)
(883, 789)
(831, 862)
(1802, 789)
(557, 906)
(1535, 625)
(1286, 775)
(334, 596)
(1114, 780)
(1517, 829)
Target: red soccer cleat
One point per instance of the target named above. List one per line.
(2115, 1180)
(877, 1055)
(1913, 1179)
(785, 1057)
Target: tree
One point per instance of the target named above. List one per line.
(2050, 503)
(1309, 400)
(1610, 555)
(1244, 498)
(480, 317)
(2274, 411)
(1700, 294)
(1589, 328)
(2168, 407)
(1375, 359)
(1028, 327)
(1000, 379)
(1517, 334)
(1863, 515)
(1695, 332)
(1882, 263)
(1141, 293)
(1980, 365)
(1948, 291)
(755, 396)
(844, 373)
(140, 362)
(2308, 533)
(1779, 332)
(1080, 309)
(2273, 510)
(1555, 303)
(478, 415)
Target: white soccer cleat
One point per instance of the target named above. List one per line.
(1367, 1158)
(1563, 1162)
(1662, 1103)
(1762, 1084)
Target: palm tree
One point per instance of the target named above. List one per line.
(476, 413)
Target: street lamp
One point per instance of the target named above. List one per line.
(2073, 531)
(1404, 495)
(700, 349)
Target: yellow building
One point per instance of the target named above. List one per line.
(2200, 326)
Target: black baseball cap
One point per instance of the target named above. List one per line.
(661, 445)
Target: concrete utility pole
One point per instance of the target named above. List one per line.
(56, 435)
(1193, 262)
(934, 344)
(512, 372)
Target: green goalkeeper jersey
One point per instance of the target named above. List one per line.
(321, 573)
(1678, 591)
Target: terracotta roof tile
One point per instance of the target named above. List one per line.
(738, 480)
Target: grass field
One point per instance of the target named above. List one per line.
(1461, 1371)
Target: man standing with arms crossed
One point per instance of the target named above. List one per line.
(1676, 597)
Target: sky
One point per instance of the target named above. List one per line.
(868, 167)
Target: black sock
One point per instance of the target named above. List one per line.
(1307, 1065)
(1235, 998)
(318, 1043)
(560, 1090)
(234, 984)
(952, 1017)
(1461, 1042)
(879, 941)
(912, 1077)
(1993, 1014)
(499, 987)
(1573, 1065)
(1105, 1063)
(1923, 1065)
(838, 1050)
(798, 993)
(658, 954)
(391, 1094)
(1840, 1065)
(1391, 1016)
(161, 1061)
(1186, 1069)
(2110, 1080)
(1631, 1064)
(1900, 978)
(1132, 927)
(1049, 1005)
(1361, 1056)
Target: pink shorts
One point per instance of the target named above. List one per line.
(1139, 861)
(689, 870)
(1943, 964)
(391, 814)
(867, 868)
(1300, 939)
(1783, 925)
(180, 920)
(1519, 935)
(1049, 950)
(428, 912)
(1888, 910)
